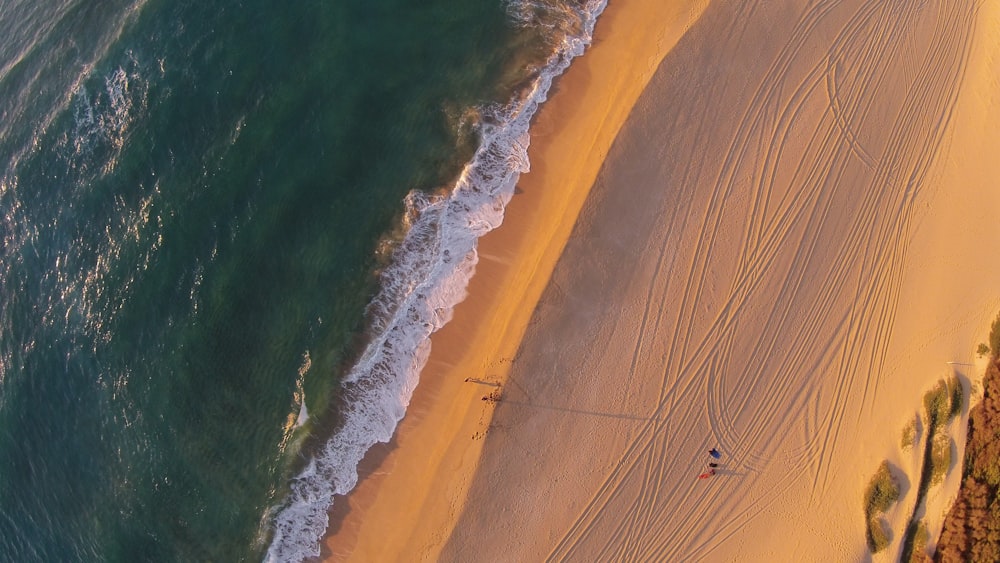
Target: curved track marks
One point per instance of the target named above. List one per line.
(818, 183)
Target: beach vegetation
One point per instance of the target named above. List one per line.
(881, 492)
(878, 534)
(918, 549)
(983, 349)
(940, 458)
(982, 452)
(971, 528)
(943, 403)
(936, 405)
(909, 435)
(957, 397)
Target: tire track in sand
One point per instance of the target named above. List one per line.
(868, 261)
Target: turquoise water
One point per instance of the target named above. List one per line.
(214, 216)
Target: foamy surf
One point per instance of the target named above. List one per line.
(428, 275)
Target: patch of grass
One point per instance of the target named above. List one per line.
(881, 492)
(957, 397)
(918, 548)
(878, 534)
(940, 458)
(943, 403)
(983, 349)
(937, 405)
(921, 538)
(909, 436)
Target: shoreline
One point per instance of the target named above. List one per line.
(437, 444)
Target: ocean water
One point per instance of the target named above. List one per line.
(227, 230)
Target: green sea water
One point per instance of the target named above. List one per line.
(197, 199)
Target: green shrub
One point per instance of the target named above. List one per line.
(882, 491)
(918, 548)
(957, 397)
(937, 405)
(940, 458)
(943, 403)
(878, 534)
(922, 536)
(983, 349)
(909, 434)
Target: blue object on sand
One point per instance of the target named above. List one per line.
(714, 453)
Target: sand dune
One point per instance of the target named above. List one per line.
(786, 242)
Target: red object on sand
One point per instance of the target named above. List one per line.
(706, 475)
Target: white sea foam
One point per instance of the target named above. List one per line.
(427, 277)
(104, 119)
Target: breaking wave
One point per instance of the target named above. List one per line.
(427, 276)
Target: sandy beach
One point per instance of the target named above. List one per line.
(764, 227)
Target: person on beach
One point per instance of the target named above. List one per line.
(714, 453)
(713, 464)
(707, 474)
